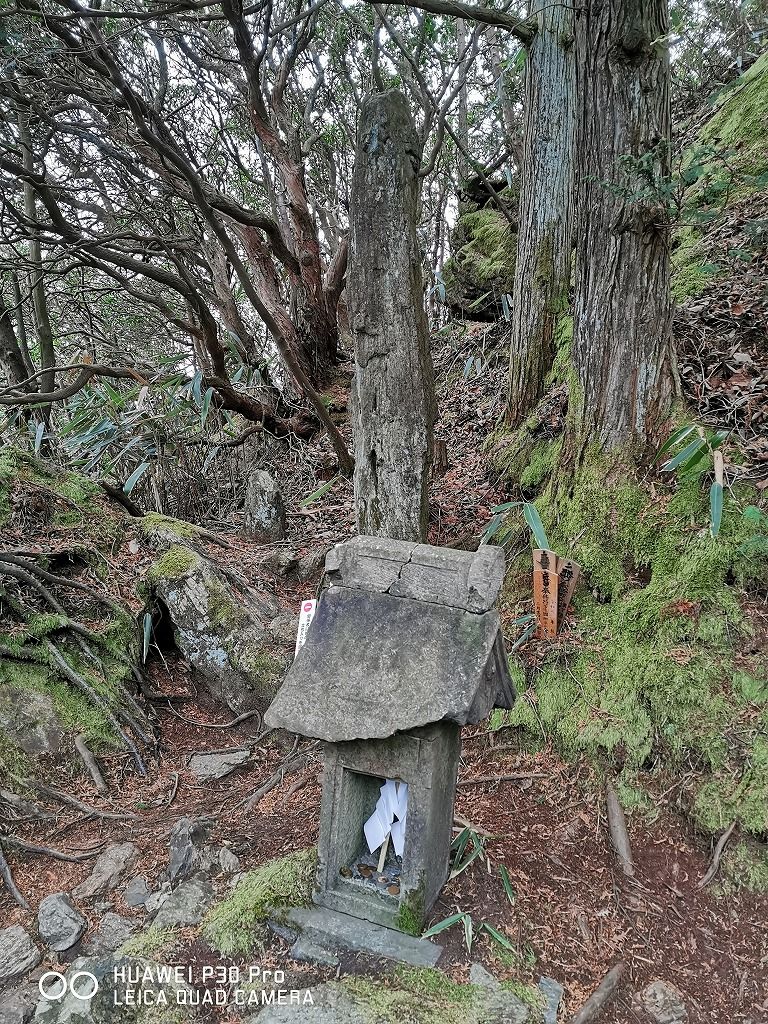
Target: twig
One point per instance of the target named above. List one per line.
(174, 790)
(217, 725)
(617, 826)
(602, 995)
(10, 885)
(714, 864)
(91, 764)
(512, 777)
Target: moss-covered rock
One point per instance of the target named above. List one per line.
(482, 267)
(237, 925)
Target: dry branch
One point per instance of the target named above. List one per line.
(618, 828)
(91, 764)
(714, 864)
(602, 995)
(7, 877)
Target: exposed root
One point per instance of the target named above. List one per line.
(618, 828)
(602, 995)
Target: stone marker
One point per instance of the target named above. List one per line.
(60, 923)
(392, 401)
(264, 517)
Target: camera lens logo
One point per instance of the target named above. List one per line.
(54, 986)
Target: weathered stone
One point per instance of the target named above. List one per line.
(187, 839)
(30, 721)
(17, 1005)
(482, 266)
(282, 559)
(552, 991)
(392, 402)
(165, 1001)
(107, 870)
(447, 665)
(18, 953)
(60, 923)
(283, 628)
(663, 1003)
(264, 514)
(186, 905)
(207, 767)
(220, 626)
(157, 899)
(137, 892)
(307, 949)
(478, 975)
(311, 564)
(112, 932)
(332, 930)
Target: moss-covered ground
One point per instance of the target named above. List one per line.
(650, 678)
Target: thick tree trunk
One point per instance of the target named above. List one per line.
(393, 402)
(11, 359)
(544, 242)
(623, 315)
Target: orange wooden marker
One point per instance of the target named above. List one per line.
(545, 589)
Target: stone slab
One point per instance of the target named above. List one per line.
(331, 929)
(351, 681)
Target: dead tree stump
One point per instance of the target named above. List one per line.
(393, 399)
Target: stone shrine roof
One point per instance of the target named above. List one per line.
(406, 635)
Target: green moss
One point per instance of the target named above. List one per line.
(485, 250)
(13, 762)
(747, 865)
(740, 123)
(236, 925)
(157, 527)
(648, 674)
(178, 561)
(410, 914)
(541, 462)
(222, 610)
(691, 267)
(149, 943)
(263, 669)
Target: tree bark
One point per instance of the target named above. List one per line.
(392, 401)
(545, 238)
(623, 312)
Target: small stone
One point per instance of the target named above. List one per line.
(112, 932)
(264, 517)
(107, 870)
(157, 899)
(552, 991)
(479, 976)
(208, 767)
(311, 564)
(663, 1003)
(18, 953)
(137, 892)
(17, 1005)
(283, 628)
(186, 905)
(60, 923)
(187, 839)
(281, 560)
(305, 949)
(282, 931)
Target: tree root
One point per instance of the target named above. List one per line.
(714, 864)
(10, 885)
(71, 801)
(71, 858)
(91, 764)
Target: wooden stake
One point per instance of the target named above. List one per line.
(568, 573)
(545, 588)
(382, 855)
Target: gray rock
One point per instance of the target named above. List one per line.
(283, 628)
(281, 560)
(108, 1004)
(186, 905)
(60, 923)
(187, 839)
(30, 721)
(283, 932)
(663, 1003)
(264, 513)
(137, 892)
(157, 899)
(484, 979)
(502, 1007)
(18, 953)
(112, 932)
(17, 1005)
(333, 930)
(311, 564)
(220, 626)
(207, 767)
(107, 870)
(552, 991)
(306, 949)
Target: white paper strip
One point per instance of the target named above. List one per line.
(306, 614)
(388, 817)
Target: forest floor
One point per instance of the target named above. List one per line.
(574, 914)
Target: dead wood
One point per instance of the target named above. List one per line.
(510, 777)
(714, 864)
(72, 858)
(71, 801)
(602, 995)
(617, 826)
(91, 764)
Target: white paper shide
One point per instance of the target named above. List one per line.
(388, 818)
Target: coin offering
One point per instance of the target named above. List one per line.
(365, 870)
(345, 872)
(393, 890)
